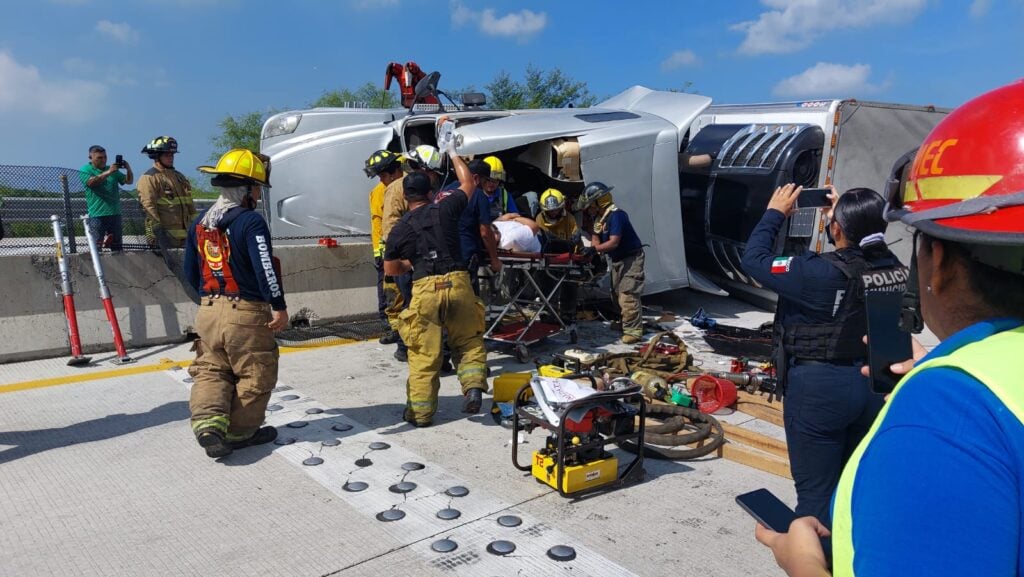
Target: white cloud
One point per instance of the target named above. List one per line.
(121, 32)
(826, 79)
(522, 25)
(793, 25)
(980, 8)
(79, 66)
(679, 59)
(24, 90)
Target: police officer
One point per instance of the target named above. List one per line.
(613, 234)
(230, 262)
(426, 243)
(166, 195)
(820, 322)
(385, 166)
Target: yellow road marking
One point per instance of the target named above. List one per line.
(162, 365)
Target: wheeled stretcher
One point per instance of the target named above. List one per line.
(518, 282)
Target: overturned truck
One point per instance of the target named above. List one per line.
(695, 216)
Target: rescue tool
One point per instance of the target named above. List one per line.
(76, 360)
(108, 302)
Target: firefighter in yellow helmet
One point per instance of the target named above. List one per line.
(425, 243)
(501, 202)
(230, 262)
(166, 196)
(387, 167)
(561, 235)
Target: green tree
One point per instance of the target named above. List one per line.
(539, 89)
(366, 95)
(242, 131)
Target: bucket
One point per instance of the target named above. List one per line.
(508, 384)
(713, 393)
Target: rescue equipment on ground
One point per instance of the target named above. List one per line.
(581, 422)
(108, 301)
(68, 293)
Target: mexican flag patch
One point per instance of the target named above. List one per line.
(781, 264)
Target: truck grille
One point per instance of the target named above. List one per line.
(758, 145)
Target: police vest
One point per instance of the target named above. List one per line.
(432, 254)
(841, 339)
(994, 362)
(214, 249)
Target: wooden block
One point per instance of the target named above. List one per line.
(765, 413)
(756, 459)
(764, 443)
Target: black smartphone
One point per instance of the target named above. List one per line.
(887, 342)
(119, 161)
(767, 509)
(813, 198)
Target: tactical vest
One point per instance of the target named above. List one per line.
(993, 361)
(842, 338)
(432, 254)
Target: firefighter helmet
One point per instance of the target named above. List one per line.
(160, 145)
(966, 181)
(380, 161)
(242, 163)
(592, 193)
(551, 200)
(497, 168)
(424, 156)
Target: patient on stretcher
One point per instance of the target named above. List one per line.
(516, 234)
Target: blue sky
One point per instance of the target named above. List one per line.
(118, 72)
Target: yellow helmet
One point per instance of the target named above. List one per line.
(552, 200)
(242, 163)
(497, 168)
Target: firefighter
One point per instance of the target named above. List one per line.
(166, 196)
(229, 260)
(935, 487)
(501, 202)
(385, 166)
(478, 241)
(562, 235)
(426, 243)
(819, 325)
(613, 234)
(398, 289)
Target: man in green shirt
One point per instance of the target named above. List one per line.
(103, 195)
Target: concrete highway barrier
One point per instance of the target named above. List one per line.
(152, 307)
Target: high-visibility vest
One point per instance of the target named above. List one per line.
(993, 361)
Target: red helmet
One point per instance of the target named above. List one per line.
(966, 182)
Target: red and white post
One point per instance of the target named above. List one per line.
(108, 303)
(68, 293)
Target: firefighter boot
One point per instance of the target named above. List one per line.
(472, 400)
(214, 443)
(260, 437)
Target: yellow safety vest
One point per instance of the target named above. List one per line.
(993, 361)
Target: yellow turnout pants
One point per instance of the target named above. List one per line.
(442, 302)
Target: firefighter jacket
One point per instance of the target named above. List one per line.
(377, 218)
(166, 198)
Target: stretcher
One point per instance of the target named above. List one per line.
(519, 323)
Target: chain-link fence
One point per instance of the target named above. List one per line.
(29, 195)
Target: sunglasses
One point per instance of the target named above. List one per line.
(896, 185)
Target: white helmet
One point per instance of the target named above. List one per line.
(426, 156)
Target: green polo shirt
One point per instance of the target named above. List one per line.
(103, 199)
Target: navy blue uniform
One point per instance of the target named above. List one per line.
(250, 259)
(829, 406)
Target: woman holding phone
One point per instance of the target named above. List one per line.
(937, 485)
(820, 322)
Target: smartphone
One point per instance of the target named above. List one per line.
(887, 342)
(813, 198)
(767, 509)
(119, 161)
